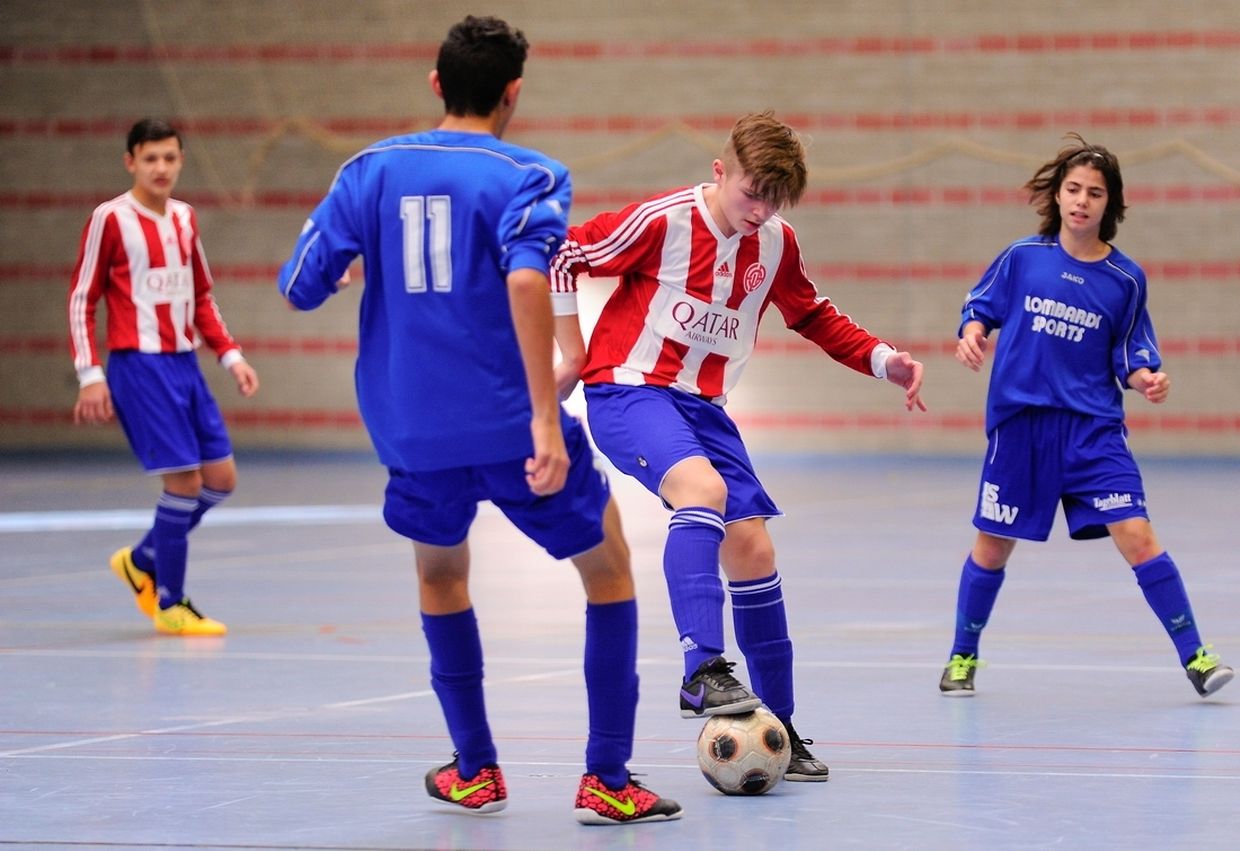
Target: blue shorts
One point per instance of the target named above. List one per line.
(1042, 457)
(437, 507)
(166, 410)
(645, 431)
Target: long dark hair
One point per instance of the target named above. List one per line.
(1045, 183)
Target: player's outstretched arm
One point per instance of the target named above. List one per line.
(530, 297)
(1154, 386)
(907, 373)
(971, 350)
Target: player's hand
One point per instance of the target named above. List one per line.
(1154, 386)
(906, 372)
(971, 349)
(547, 471)
(94, 404)
(344, 281)
(246, 378)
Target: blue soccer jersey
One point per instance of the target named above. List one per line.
(1072, 331)
(440, 218)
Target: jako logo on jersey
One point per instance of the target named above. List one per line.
(1115, 500)
(754, 276)
(706, 325)
(724, 271)
(992, 510)
(1076, 279)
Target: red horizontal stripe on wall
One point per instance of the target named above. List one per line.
(781, 344)
(859, 45)
(348, 419)
(261, 274)
(1176, 118)
(876, 196)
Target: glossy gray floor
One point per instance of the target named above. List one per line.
(311, 724)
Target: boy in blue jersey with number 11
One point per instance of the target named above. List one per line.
(1076, 332)
(456, 387)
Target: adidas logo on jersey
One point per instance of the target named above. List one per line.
(724, 271)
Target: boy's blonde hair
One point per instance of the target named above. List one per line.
(771, 153)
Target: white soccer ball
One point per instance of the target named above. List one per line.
(744, 754)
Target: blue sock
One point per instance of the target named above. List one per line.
(762, 635)
(611, 689)
(144, 552)
(456, 677)
(169, 535)
(1164, 590)
(691, 566)
(978, 589)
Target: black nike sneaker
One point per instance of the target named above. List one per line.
(712, 690)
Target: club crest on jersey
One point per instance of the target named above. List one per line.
(754, 276)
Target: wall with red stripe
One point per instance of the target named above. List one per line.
(924, 118)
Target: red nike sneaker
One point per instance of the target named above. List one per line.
(485, 792)
(599, 804)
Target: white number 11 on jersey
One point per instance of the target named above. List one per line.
(427, 217)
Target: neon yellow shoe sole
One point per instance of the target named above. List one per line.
(140, 583)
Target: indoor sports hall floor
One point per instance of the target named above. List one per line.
(311, 725)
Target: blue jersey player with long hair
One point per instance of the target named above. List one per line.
(1076, 332)
(456, 387)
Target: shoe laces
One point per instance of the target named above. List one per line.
(960, 665)
(720, 670)
(799, 745)
(633, 781)
(187, 604)
(1203, 661)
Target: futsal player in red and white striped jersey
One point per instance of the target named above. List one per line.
(697, 268)
(141, 254)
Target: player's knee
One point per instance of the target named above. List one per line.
(1136, 540)
(441, 581)
(694, 482)
(220, 477)
(222, 482)
(748, 551)
(187, 483)
(991, 552)
(709, 491)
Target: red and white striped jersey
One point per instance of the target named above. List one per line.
(153, 274)
(685, 313)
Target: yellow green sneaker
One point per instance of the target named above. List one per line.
(183, 619)
(1205, 672)
(139, 581)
